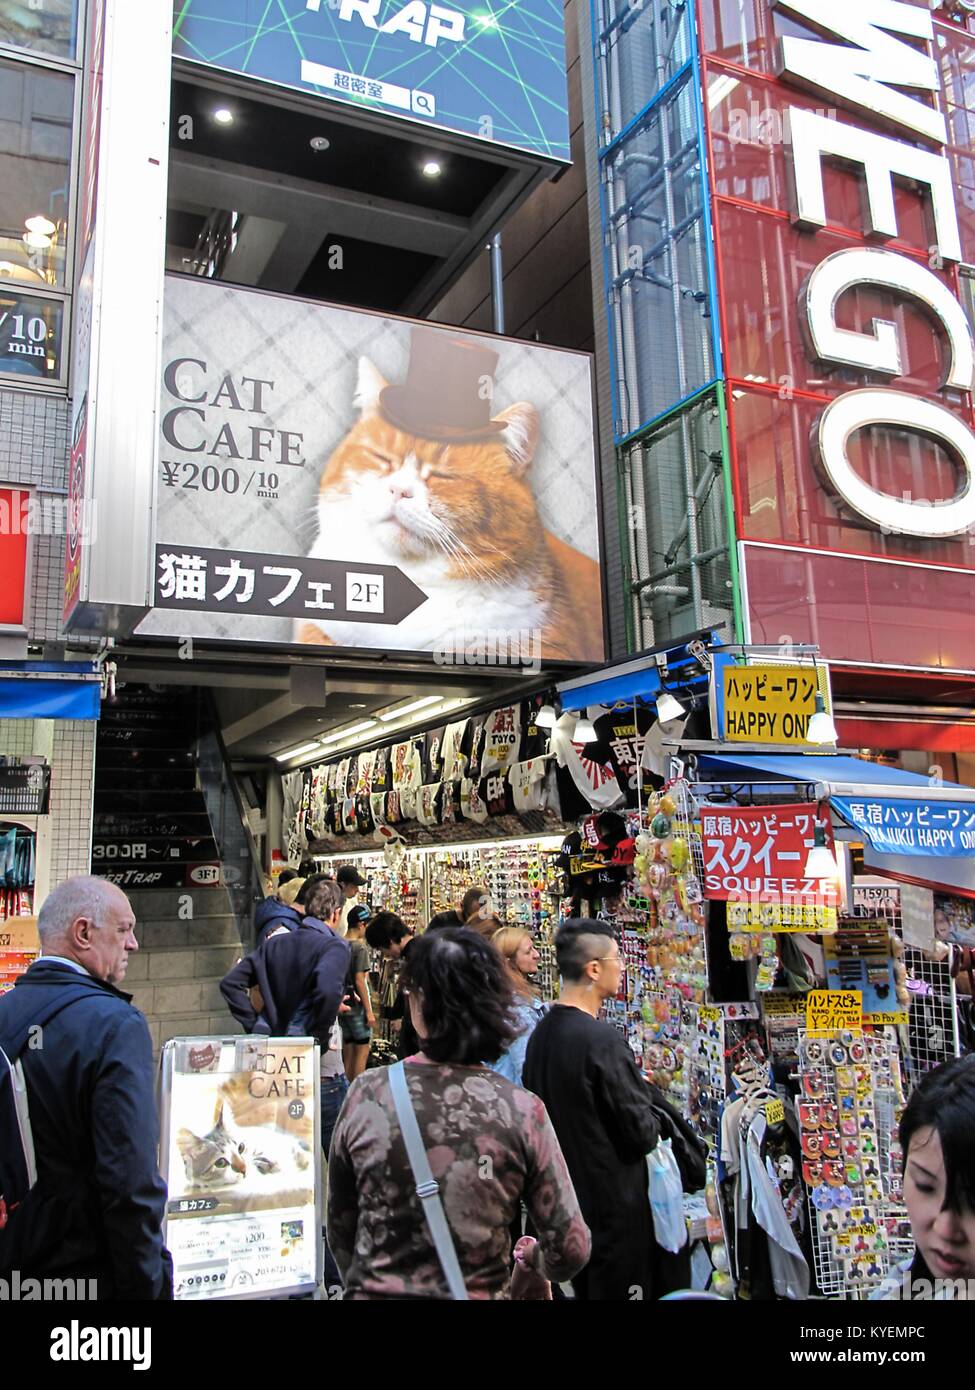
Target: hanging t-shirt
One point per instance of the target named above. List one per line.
(449, 803)
(380, 771)
(472, 746)
(433, 754)
(528, 784)
(619, 741)
(426, 804)
(363, 814)
(407, 766)
(407, 803)
(377, 805)
(454, 761)
(364, 776)
(502, 740)
(497, 795)
(595, 780)
(336, 824)
(472, 806)
(342, 779)
(394, 812)
(534, 741)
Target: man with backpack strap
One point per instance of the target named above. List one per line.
(81, 1193)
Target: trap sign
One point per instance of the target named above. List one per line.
(769, 704)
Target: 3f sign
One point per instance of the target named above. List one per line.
(419, 22)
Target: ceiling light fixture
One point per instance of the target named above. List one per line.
(37, 241)
(585, 730)
(821, 863)
(40, 224)
(408, 709)
(223, 116)
(295, 752)
(319, 143)
(432, 169)
(545, 718)
(668, 708)
(349, 732)
(821, 727)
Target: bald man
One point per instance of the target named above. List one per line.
(96, 1210)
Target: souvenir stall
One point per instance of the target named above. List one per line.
(788, 962)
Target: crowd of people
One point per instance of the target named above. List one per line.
(504, 1154)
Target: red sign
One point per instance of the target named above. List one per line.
(760, 853)
(847, 358)
(15, 526)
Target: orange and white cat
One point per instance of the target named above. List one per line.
(461, 521)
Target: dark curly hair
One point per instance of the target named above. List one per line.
(465, 996)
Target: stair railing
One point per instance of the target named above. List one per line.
(240, 862)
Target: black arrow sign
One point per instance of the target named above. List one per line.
(197, 580)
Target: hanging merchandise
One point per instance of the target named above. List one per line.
(454, 759)
(432, 756)
(594, 782)
(472, 746)
(527, 781)
(620, 734)
(407, 770)
(502, 740)
(472, 806)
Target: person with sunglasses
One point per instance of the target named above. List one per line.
(601, 1109)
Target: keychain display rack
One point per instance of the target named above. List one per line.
(851, 1094)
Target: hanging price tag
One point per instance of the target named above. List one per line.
(833, 1011)
(774, 1112)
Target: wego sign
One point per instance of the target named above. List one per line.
(882, 47)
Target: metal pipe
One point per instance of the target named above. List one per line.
(701, 558)
(497, 282)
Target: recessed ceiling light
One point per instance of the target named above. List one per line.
(350, 731)
(319, 143)
(432, 169)
(362, 706)
(223, 116)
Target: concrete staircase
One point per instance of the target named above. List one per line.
(175, 974)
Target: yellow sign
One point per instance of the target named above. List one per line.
(898, 1019)
(784, 1005)
(813, 918)
(707, 1014)
(769, 704)
(833, 1011)
(774, 1112)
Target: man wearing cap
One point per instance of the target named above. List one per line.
(358, 1023)
(350, 881)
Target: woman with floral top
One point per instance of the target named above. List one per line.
(490, 1144)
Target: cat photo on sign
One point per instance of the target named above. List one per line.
(246, 1153)
(430, 479)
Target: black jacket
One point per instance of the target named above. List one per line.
(97, 1208)
(301, 976)
(407, 1042)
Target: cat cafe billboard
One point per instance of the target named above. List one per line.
(332, 477)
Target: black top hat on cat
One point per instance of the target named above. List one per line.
(448, 390)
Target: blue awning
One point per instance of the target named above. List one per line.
(896, 812)
(638, 679)
(58, 698)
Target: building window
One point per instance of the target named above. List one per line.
(43, 26)
(36, 109)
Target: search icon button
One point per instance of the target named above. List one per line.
(424, 103)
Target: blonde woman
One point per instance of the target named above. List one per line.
(521, 958)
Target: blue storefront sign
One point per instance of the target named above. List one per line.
(493, 70)
(901, 826)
